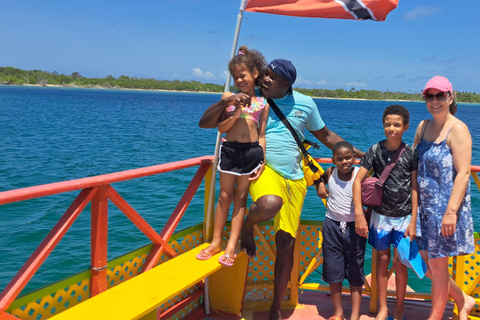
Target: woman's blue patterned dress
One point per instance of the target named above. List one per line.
(436, 174)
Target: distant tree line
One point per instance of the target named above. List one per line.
(10, 75)
(361, 94)
(379, 95)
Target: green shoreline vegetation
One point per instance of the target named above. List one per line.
(11, 75)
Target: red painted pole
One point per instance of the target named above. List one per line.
(99, 241)
(15, 286)
(152, 258)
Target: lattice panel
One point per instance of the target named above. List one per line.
(310, 238)
(261, 268)
(470, 266)
(184, 244)
(125, 271)
(54, 303)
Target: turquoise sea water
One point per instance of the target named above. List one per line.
(56, 134)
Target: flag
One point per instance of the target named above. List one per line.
(333, 9)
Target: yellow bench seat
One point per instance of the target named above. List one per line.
(142, 294)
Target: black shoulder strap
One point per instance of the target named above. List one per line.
(287, 124)
(391, 164)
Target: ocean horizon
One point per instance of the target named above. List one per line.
(207, 92)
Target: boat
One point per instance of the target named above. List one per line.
(163, 280)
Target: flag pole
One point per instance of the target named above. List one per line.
(208, 227)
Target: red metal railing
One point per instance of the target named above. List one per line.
(97, 191)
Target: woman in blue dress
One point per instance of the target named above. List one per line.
(444, 223)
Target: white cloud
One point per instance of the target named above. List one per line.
(203, 75)
(321, 82)
(422, 11)
(301, 81)
(355, 84)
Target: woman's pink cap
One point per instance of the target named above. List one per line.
(439, 83)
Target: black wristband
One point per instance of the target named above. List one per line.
(319, 180)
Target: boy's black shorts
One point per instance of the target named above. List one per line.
(343, 253)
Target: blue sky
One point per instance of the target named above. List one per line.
(192, 40)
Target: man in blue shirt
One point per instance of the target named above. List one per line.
(278, 192)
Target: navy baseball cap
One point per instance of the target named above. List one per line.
(284, 69)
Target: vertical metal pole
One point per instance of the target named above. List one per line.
(208, 231)
(206, 295)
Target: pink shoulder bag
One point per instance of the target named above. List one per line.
(372, 187)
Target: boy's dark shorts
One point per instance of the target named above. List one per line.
(240, 158)
(343, 254)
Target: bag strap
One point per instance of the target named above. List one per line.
(391, 164)
(287, 124)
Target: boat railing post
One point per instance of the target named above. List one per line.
(99, 241)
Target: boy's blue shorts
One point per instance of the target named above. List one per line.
(384, 230)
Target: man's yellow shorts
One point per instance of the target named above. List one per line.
(291, 191)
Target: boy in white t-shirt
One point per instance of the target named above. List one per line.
(343, 248)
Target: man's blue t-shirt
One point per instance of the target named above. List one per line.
(283, 154)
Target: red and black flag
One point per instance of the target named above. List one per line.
(376, 10)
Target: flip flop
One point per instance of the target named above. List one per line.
(199, 255)
(226, 256)
(335, 318)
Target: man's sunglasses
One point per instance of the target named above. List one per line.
(441, 96)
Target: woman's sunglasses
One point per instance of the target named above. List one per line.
(441, 96)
